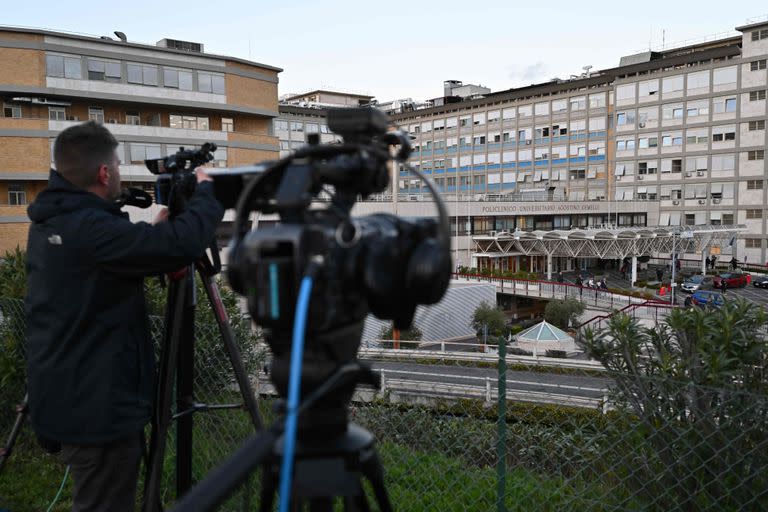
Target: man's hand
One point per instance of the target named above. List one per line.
(202, 175)
(161, 216)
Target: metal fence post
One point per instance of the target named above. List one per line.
(501, 448)
(488, 389)
(383, 383)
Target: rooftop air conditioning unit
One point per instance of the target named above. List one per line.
(73, 118)
(676, 202)
(702, 201)
(641, 124)
(716, 200)
(699, 173)
(688, 174)
(528, 143)
(640, 177)
(618, 178)
(112, 121)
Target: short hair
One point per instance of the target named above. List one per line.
(80, 150)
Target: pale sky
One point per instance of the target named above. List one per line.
(395, 50)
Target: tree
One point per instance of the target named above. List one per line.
(409, 338)
(492, 316)
(412, 334)
(563, 313)
(696, 388)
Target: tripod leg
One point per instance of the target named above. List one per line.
(374, 472)
(268, 488)
(5, 452)
(235, 358)
(162, 419)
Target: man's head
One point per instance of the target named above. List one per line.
(85, 155)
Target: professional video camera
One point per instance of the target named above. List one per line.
(379, 263)
(324, 270)
(175, 173)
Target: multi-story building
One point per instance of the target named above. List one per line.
(670, 138)
(154, 99)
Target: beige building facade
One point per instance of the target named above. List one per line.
(154, 99)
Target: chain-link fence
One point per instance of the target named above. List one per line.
(557, 434)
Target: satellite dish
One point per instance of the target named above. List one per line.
(121, 36)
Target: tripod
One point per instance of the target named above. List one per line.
(21, 414)
(177, 357)
(326, 467)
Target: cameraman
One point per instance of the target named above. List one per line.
(90, 358)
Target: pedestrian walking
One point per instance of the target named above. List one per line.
(734, 263)
(603, 284)
(560, 277)
(723, 285)
(659, 274)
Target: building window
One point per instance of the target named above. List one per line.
(752, 243)
(13, 111)
(690, 219)
(757, 65)
(96, 114)
(228, 124)
(756, 125)
(677, 165)
(597, 100)
(578, 103)
(142, 74)
(723, 134)
(17, 194)
(189, 122)
(725, 76)
(63, 67)
(177, 79)
(756, 155)
(723, 105)
(297, 126)
(754, 213)
(578, 174)
(754, 184)
(57, 114)
(109, 71)
(757, 35)
(757, 95)
(140, 152)
(624, 118)
(210, 82)
(280, 125)
(220, 157)
(132, 118)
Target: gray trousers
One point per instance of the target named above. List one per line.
(105, 475)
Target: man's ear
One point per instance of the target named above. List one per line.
(102, 177)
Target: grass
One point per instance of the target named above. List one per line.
(416, 481)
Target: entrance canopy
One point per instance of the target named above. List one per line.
(606, 243)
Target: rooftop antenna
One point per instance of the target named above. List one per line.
(586, 70)
(121, 36)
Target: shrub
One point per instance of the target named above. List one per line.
(556, 353)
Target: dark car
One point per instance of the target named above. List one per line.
(734, 279)
(704, 299)
(761, 282)
(695, 283)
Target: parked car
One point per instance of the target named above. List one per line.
(733, 279)
(698, 282)
(703, 298)
(760, 282)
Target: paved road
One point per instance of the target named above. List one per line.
(518, 382)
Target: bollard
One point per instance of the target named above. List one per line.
(488, 389)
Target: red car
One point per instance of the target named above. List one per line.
(732, 280)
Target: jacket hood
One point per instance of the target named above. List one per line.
(61, 196)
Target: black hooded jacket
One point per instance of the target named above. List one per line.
(90, 359)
